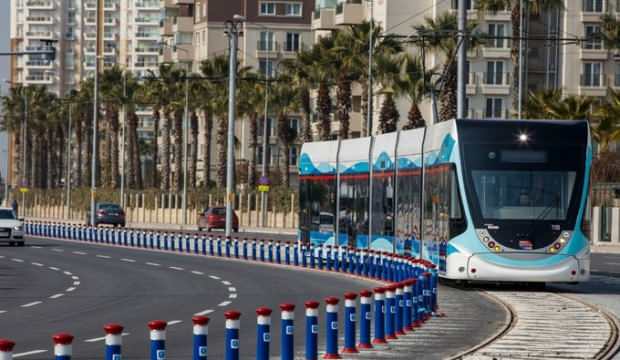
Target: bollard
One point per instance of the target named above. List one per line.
(254, 249)
(263, 335)
(408, 311)
(365, 315)
(312, 329)
(244, 246)
(211, 247)
(262, 250)
(379, 316)
(113, 341)
(227, 246)
(232, 335)
(278, 253)
(287, 330)
(200, 330)
(236, 247)
(426, 294)
(400, 309)
(218, 243)
(336, 258)
(349, 323)
(299, 252)
(287, 253)
(158, 339)
(331, 328)
(312, 259)
(351, 263)
(62, 346)
(6, 349)
(203, 240)
(390, 312)
(270, 251)
(328, 258)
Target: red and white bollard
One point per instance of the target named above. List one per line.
(6, 349)
(63, 350)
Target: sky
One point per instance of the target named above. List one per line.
(5, 15)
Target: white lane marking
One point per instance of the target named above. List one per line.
(75, 277)
(53, 268)
(224, 303)
(197, 272)
(1, 256)
(37, 264)
(128, 260)
(232, 296)
(70, 289)
(152, 264)
(58, 250)
(32, 352)
(176, 268)
(101, 338)
(612, 263)
(79, 253)
(17, 260)
(226, 282)
(56, 296)
(103, 256)
(214, 277)
(2, 311)
(36, 247)
(68, 273)
(76, 283)
(32, 304)
(204, 312)
(232, 289)
(174, 322)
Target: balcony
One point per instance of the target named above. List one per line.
(147, 5)
(593, 85)
(44, 35)
(591, 16)
(349, 12)
(147, 50)
(146, 64)
(165, 27)
(324, 19)
(40, 5)
(39, 79)
(147, 36)
(496, 83)
(497, 52)
(182, 24)
(593, 50)
(146, 20)
(290, 49)
(39, 64)
(503, 15)
(109, 36)
(106, 51)
(472, 83)
(175, 3)
(45, 20)
(267, 49)
(107, 6)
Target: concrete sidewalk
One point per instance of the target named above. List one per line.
(606, 248)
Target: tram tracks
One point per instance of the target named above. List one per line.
(547, 325)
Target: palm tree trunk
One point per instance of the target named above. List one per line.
(415, 118)
(177, 176)
(447, 97)
(324, 104)
(114, 152)
(134, 152)
(364, 104)
(61, 150)
(193, 163)
(515, 17)
(343, 96)
(49, 157)
(105, 149)
(284, 165)
(221, 151)
(89, 149)
(253, 118)
(388, 118)
(155, 147)
(17, 163)
(165, 166)
(306, 135)
(206, 155)
(79, 139)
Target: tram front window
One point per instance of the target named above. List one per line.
(524, 195)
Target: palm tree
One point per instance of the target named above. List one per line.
(320, 70)
(13, 114)
(284, 102)
(132, 94)
(112, 94)
(300, 80)
(412, 83)
(205, 103)
(536, 7)
(607, 129)
(252, 105)
(538, 104)
(388, 67)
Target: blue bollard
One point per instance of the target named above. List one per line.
(287, 331)
(287, 253)
(331, 328)
(200, 331)
(365, 317)
(320, 256)
(261, 248)
(328, 258)
(236, 247)
(263, 334)
(270, 251)
(63, 348)
(211, 246)
(254, 245)
(113, 341)
(350, 260)
(379, 338)
(203, 240)
(227, 243)
(426, 294)
(408, 295)
(337, 258)
(232, 335)
(6, 349)
(349, 323)
(312, 330)
(390, 312)
(278, 253)
(158, 339)
(312, 256)
(300, 252)
(218, 243)
(400, 309)
(244, 248)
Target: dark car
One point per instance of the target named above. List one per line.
(108, 214)
(215, 218)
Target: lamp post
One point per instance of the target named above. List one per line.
(93, 172)
(185, 143)
(123, 139)
(233, 36)
(68, 177)
(370, 54)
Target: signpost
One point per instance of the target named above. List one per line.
(264, 184)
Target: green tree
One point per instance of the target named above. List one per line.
(412, 84)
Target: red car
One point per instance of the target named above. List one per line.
(215, 218)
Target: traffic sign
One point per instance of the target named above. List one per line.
(23, 190)
(263, 184)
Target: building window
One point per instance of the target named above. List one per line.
(497, 33)
(267, 8)
(591, 75)
(266, 41)
(593, 37)
(292, 42)
(293, 123)
(356, 104)
(494, 108)
(495, 73)
(593, 6)
(292, 9)
(292, 155)
(265, 67)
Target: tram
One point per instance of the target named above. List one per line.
(485, 200)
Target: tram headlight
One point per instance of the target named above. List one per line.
(498, 248)
(491, 244)
(565, 235)
(552, 249)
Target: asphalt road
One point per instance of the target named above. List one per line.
(51, 286)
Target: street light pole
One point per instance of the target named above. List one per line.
(462, 59)
(123, 139)
(185, 142)
(370, 55)
(263, 195)
(93, 173)
(68, 177)
(232, 32)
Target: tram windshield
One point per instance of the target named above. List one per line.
(524, 195)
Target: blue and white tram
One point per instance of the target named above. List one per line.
(484, 200)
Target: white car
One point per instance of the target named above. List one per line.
(11, 228)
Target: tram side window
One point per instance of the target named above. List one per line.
(383, 204)
(318, 206)
(354, 209)
(408, 210)
(458, 224)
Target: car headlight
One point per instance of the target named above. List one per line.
(18, 227)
